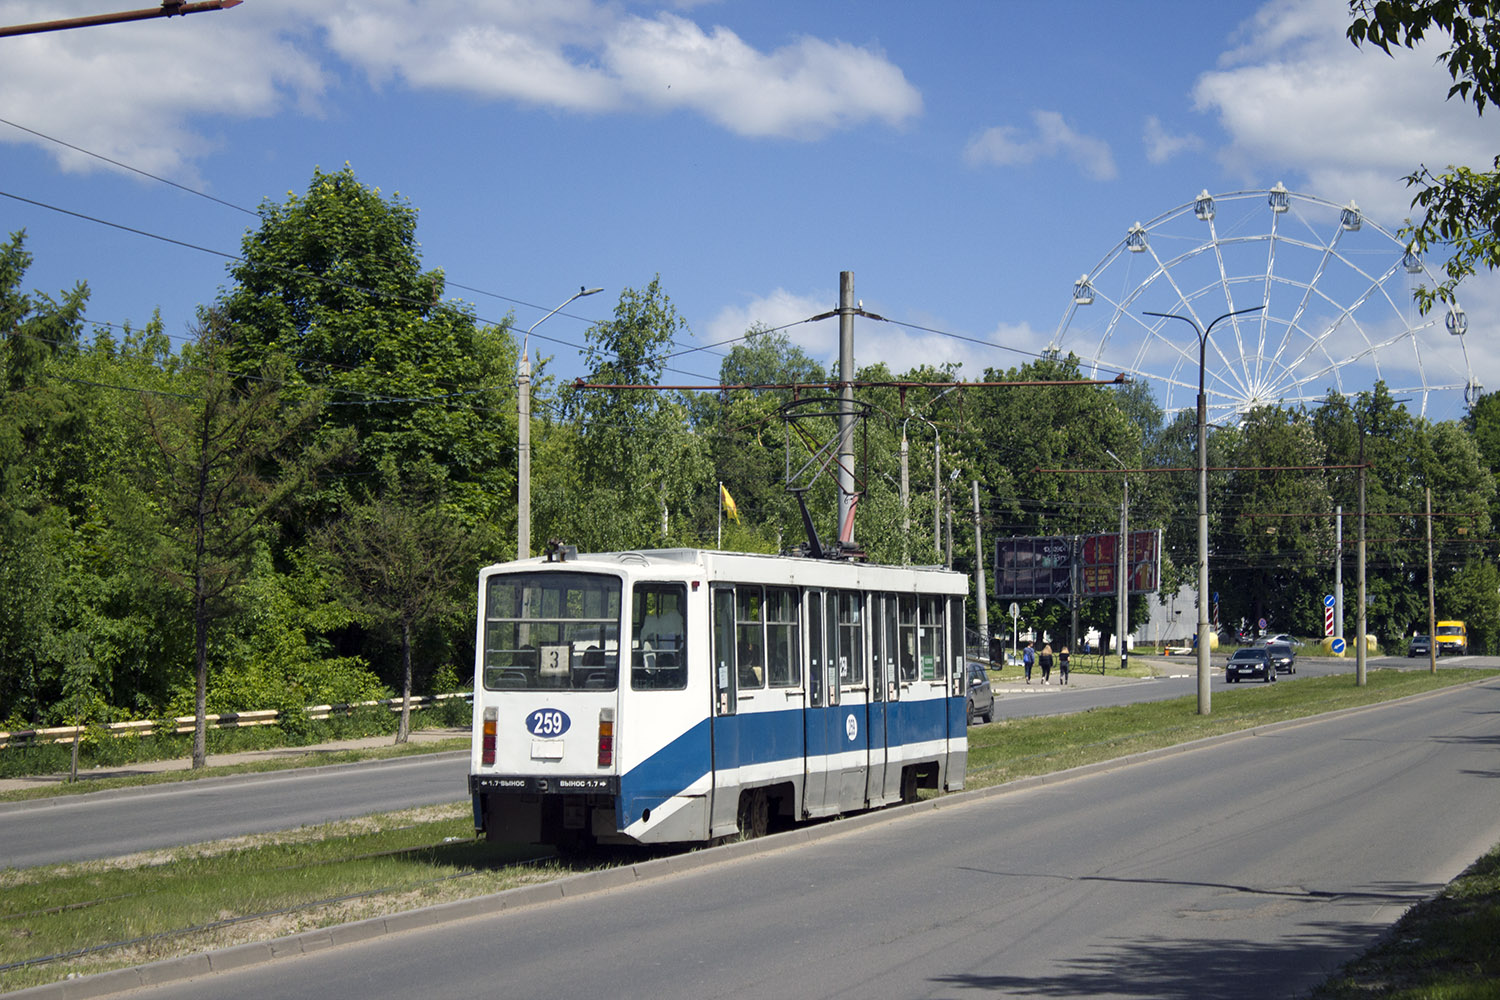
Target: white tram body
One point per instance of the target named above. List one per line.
(682, 695)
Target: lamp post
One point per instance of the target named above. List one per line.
(523, 432)
(1204, 697)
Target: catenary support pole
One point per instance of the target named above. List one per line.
(847, 499)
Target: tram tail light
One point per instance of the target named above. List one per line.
(487, 742)
(606, 737)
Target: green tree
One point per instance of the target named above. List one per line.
(38, 421)
(638, 464)
(332, 280)
(1459, 205)
(228, 455)
(407, 563)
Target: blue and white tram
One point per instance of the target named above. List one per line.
(684, 695)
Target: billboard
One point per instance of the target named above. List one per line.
(1100, 563)
(1037, 567)
(1028, 568)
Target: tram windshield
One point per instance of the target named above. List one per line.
(548, 630)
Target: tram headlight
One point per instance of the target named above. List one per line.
(487, 741)
(606, 737)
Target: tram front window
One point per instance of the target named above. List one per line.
(552, 630)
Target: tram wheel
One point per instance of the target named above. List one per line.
(754, 813)
(909, 784)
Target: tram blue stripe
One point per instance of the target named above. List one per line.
(755, 738)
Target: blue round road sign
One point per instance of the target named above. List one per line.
(1338, 645)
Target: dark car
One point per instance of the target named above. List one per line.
(1420, 645)
(1282, 657)
(981, 695)
(1250, 661)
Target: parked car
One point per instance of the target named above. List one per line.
(981, 695)
(1282, 656)
(1420, 645)
(1250, 661)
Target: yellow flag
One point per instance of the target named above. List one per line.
(729, 507)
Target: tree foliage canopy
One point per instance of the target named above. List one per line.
(1460, 204)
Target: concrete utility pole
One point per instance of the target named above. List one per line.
(1124, 626)
(1431, 602)
(979, 592)
(847, 499)
(1338, 570)
(1359, 629)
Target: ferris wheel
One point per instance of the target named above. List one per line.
(1336, 309)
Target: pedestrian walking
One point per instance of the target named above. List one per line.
(1046, 661)
(1028, 657)
(1062, 666)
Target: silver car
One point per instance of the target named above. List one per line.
(981, 695)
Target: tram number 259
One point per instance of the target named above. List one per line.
(547, 722)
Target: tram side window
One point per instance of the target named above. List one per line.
(658, 633)
(783, 658)
(851, 638)
(723, 650)
(933, 645)
(906, 623)
(750, 636)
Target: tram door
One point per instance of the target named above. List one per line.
(821, 796)
(854, 689)
(885, 781)
(726, 730)
(875, 780)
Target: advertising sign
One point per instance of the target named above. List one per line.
(1028, 568)
(1100, 563)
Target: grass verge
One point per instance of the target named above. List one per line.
(77, 919)
(1447, 948)
(64, 920)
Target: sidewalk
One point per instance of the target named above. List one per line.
(305, 753)
(1160, 666)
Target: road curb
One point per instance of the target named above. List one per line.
(236, 957)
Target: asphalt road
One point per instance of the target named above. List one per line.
(107, 824)
(1247, 868)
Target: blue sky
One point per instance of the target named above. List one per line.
(968, 161)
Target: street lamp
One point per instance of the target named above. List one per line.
(1204, 706)
(523, 432)
(937, 487)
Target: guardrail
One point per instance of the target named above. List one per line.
(223, 720)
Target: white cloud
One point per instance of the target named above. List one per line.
(1161, 145)
(801, 90)
(145, 93)
(900, 348)
(1007, 146)
(136, 91)
(1297, 96)
(581, 56)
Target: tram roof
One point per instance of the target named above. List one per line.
(757, 567)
